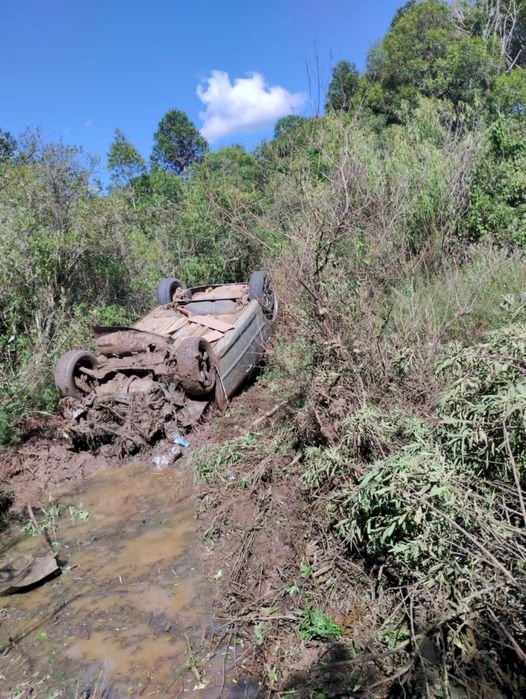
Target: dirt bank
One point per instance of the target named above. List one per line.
(306, 616)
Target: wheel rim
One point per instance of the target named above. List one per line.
(84, 382)
(205, 367)
(268, 299)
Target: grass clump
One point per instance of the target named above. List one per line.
(315, 624)
(437, 504)
(482, 412)
(212, 462)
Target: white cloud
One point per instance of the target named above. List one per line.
(247, 104)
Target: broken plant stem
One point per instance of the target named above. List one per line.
(38, 529)
(514, 469)
(489, 556)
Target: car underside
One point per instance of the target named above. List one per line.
(157, 377)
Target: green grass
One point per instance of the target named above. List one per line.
(211, 462)
(315, 624)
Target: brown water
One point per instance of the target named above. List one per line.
(131, 610)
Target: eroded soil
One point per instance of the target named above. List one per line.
(278, 558)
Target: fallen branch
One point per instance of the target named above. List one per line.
(268, 414)
(514, 469)
(488, 555)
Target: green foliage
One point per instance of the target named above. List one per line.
(218, 226)
(210, 463)
(508, 97)
(47, 523)
(387, 515)
(155, 190)
(410, 58)
(460, 303)
(124, 161)
(497, 206)
(421, 508)
(7, 146)
(177, 143)
(427, 53)
(342, 87)
(77, 514)
(321, 465)
(260, 631)
(68, 256)
(482, 412)
(286, 126)
(394, 233)
(315, 624)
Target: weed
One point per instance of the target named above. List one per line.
(321, 464)
(210, 463)
(260, 631)
(47, 524)
(272, 674)
(77, 514)
(315, 624)
(305, 570)
(393, 635)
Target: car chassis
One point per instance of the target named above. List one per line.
(158, 376)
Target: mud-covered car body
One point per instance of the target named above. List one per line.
(160, 374)
(223, 315)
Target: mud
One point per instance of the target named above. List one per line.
(49, 457)
(128, 415)
(40, 465)
(137, 606)
(131, 611)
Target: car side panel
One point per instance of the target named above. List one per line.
(240, 351)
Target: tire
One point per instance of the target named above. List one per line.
(196, 366)
(68, 370)
(260, 288)
(166, 288)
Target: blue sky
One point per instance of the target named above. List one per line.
(78, 69)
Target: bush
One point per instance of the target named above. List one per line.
(482, 413)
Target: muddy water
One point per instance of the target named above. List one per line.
(131, 610)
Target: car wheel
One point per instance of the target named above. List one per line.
(196, 365)
(69, 378)
(166, 289)
(261, 289)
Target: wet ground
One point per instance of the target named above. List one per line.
(131, 610)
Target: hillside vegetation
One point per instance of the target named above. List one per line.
(394, 227)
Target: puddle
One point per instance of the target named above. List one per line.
(130, 610)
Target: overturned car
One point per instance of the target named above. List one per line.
(157, 377)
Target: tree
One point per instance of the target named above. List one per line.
(124, 161)
(287, 126)
(402, 11)
(433, 49)
(342, 87)
(505, 20)
(509, 94)
(410, 58)
(177, 143)
(7, 146)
